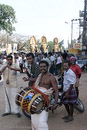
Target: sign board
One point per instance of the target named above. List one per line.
(9, 48)
(15, 48)
(84, 47)
(72, 50)
(77, 46)
(82, 57)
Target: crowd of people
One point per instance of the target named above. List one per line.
(41, 70)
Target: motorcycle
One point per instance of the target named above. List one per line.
(79, 106)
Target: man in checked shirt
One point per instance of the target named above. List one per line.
(32, 70)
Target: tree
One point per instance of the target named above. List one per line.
(50, 46)
(63, 48)
(3, 40)
(7, 18)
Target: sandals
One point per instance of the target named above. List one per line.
(5, 114)
(69, 119)
(66, 117)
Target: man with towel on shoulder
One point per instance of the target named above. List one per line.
(46, 83)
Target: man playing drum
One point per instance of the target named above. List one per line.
(46, 83)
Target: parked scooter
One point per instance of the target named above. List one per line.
(78, 106)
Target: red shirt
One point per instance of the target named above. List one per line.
(76, 69)
(68, 58)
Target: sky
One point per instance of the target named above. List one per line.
(46, 17)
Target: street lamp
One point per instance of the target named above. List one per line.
(68, 36)
(72, 22)
(72, 28)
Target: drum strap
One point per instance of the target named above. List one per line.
(44, 95)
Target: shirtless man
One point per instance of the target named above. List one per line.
(47, 79)
(46, 83)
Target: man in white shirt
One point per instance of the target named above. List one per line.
(69, 96)
(10, 85)
(58, 64)
(46, 58)
(21, 63)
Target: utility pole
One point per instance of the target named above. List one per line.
(71, 30)
(72, 22)
(84, 38)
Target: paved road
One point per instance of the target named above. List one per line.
(55, 122)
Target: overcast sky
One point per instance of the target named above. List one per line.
(45, 17)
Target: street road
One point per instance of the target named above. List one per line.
(55, 121)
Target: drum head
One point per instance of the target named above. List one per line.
(26, 99)
(37, 104)
(33, 102)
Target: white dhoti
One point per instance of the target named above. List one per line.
(39, 121)
(10, 94)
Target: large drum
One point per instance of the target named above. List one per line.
(30, 100)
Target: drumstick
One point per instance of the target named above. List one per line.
(18, 101)
(27, 73)
(23, 90)
(19, 95)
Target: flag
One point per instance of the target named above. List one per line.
(61, 43)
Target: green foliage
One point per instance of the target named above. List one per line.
(38, 46)
(7, 18)
(27, 46)
(62, 47)
(50, 46)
